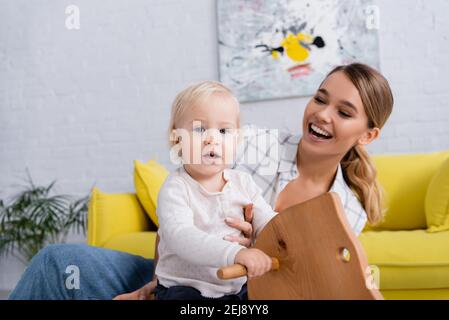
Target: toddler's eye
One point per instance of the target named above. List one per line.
(224, 131)
(199, 129)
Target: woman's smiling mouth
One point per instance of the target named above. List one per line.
(319, 133)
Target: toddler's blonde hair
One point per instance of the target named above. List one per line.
(191, 95)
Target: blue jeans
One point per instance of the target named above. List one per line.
(72, 271)
(189, 293)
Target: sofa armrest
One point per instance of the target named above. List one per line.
(114, 214)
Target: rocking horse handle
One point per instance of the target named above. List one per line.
(238, 270)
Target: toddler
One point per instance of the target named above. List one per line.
(195, 200)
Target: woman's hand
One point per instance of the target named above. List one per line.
(244, 226)
(144, 293)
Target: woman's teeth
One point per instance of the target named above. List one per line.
(320, 132)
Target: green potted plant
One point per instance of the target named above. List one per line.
(36, 217)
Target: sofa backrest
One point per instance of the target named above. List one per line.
(405, 179)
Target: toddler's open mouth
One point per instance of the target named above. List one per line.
(212, 155)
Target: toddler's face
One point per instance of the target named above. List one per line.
(209, 134)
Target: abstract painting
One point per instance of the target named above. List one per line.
(272, 49)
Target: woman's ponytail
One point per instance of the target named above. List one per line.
(360, 174)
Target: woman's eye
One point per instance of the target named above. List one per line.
(199, 129)
(344, 114)
(319, 100)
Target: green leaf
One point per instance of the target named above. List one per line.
(35, 218)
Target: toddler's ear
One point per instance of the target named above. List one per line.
(174, 137)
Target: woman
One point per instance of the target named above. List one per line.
(346, 114)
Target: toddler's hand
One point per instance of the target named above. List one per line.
(256, 261)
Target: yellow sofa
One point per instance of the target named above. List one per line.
(413, 263)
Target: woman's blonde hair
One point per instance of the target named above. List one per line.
(191, 95)
(358, 168)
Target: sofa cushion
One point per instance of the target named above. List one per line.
(409, 259)
(137, 243)
(405, 179)
(148, 179)
(423, 294)
(437, 200)
(113, 214)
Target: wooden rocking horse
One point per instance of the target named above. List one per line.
(315, 255)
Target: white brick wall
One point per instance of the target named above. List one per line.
(80, 106)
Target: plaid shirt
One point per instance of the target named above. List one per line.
(270, 157)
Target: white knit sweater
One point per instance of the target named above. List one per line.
(192, 227)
